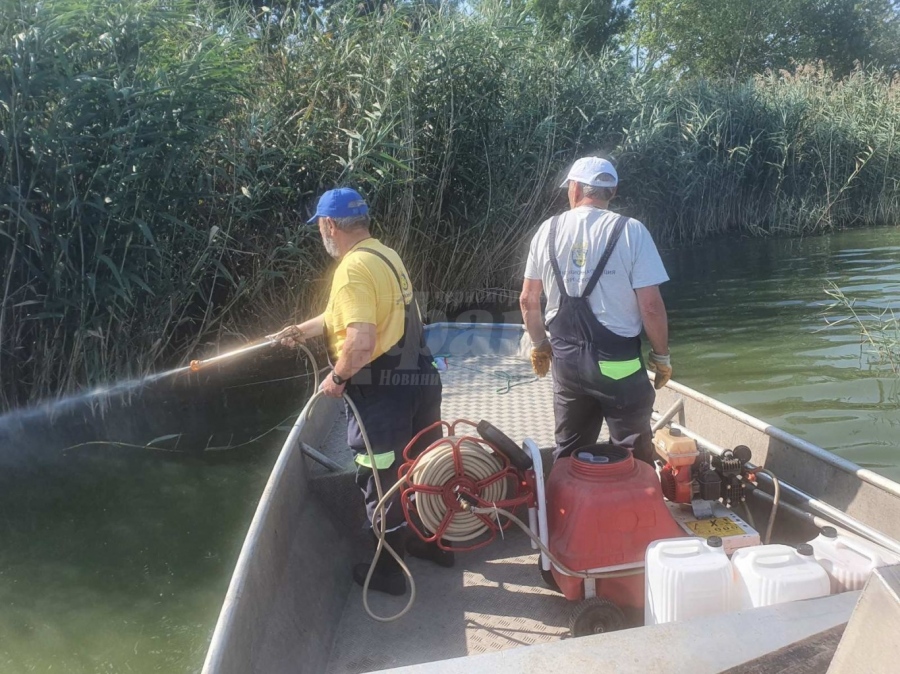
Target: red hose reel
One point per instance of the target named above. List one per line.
(485, 471)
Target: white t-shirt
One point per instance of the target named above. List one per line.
(581, 236)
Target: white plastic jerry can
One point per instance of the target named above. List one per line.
(686, 578)
(848, 560)
(775, 574)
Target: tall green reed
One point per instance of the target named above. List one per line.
(159, 162)
(879, 332)
(123, 221)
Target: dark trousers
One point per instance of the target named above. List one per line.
(583, 398)
(392, 415)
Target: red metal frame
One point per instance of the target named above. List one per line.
(522, 486)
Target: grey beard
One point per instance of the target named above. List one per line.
(331, 247)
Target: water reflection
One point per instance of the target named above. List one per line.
(749, 325)
(116, 557)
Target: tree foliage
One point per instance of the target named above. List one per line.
(736, 38)
(590, 24)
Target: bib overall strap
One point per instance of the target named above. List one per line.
(553, 261)
(413, 329)
(411, 343)
(610, 245)
(388, 263)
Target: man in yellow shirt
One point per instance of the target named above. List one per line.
(378, 355)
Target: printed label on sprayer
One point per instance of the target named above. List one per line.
(717, 526)
(734, 532)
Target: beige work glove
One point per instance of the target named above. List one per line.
(541, 354)
(662, 366)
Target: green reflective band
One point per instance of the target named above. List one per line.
(383, 461)
(619, 369)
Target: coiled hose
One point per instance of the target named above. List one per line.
(436, 468)
(467, 528)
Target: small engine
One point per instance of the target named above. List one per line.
(729, 467)
(677, 475)
(690, 474)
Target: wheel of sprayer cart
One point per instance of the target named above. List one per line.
(596, 616)
(547, 577)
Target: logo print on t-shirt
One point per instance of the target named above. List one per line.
(579, 254)
(404, 290)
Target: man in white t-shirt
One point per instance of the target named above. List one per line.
(601, 273)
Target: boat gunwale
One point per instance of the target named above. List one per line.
(805, 446)
(225, 623)
(239, 577)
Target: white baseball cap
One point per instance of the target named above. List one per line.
(588, 170)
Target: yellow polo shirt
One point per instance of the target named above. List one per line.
(365, 290)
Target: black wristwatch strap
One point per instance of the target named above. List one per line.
(337, 379)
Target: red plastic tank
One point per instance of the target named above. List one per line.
(603, 511)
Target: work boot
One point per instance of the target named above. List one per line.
(387, 576)
(430, 552)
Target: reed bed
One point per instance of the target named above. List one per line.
(158, 162)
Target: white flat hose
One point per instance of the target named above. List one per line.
(379, 508)
(562, 567)
(437, 468)
(380, 531)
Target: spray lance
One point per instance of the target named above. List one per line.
(268, 340)
(383, 546)
(197, 365)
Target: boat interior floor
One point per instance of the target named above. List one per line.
(500, 389)
(493, 599)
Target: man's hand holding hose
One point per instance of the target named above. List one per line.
(295, 335)
(291, 335)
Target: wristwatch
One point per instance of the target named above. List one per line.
(337, 379)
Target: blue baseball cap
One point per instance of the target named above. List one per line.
(340, 203)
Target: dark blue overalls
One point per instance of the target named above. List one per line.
(597, 374)
(397, 395)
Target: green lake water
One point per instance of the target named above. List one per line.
(118, 561)
(748, 325)
(115, 560)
